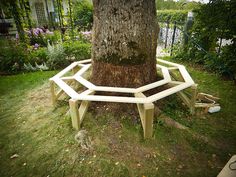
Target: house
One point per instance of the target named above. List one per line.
(44, 11)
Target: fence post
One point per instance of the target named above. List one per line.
(167, 31)
(173, 39)
(220, 45)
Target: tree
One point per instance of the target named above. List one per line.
(83, 14)
(124, 43)
(17, 15)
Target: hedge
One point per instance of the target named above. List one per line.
(179, 16)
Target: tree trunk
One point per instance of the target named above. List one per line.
(18, 19)
(124, 43)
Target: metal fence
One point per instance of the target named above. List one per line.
(170, 34)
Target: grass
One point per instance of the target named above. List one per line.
(44, 139)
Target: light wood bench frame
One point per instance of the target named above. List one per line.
(145, 104)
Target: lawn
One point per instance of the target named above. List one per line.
(43, 139)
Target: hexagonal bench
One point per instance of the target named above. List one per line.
(145, 104)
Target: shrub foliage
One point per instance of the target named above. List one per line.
(212, 22)
(172, 16)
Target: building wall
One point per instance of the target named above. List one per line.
(33, 10)
(50, 8)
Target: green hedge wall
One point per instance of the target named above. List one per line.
(179, 16)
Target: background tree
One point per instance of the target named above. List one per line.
(17, 15)
(214, 22)
(176, 5)
(124, 42)
(83, 14)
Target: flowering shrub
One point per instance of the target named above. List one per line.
(87, 35)
(41, 36)
(12, 56)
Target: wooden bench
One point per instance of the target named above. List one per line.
(145, 104)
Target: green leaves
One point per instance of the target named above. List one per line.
(179, 16)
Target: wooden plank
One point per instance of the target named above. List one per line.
(148, 122)
(168, 92)
(116, 99)
(193, 99)
(67, 89)
(130, 90)
(87, 92)
(119, 89)
(67, 78)
(141, 113)
(184, 98)
(115, 89)
(64, 71)
(182, 70)
(74, 112)
(121, 99)
(85, 61)
(203, 105)
(151, 86)
(147, 105)
(174, 83)
(227, 170)
(83, 109)
(81, 65)
(146, 112)
(84, 105)
(82, 70)
(165, 72)
(172, 68)
(176, 77)
(61, 91)
(185, 75)
(168, 63)
(181, 94)
(84, 82)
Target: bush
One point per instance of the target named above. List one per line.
(77, 50)
(228, 59)
(61, 54)
(38, 56)
(83, 14)
(56, 56)
(12, 56)
(179, 16)
(15, 57)
(43, 36)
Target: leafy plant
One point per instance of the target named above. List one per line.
(42, 36)
(212, 22)
(56, 56)
(172, 15)
(39, 55)
(12, 56)
(77, 50)
(83, 14)
(37, 67)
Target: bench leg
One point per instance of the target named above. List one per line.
(193, 99)
(146, 113)
(74, 112)
(148, 121)
(78, 112)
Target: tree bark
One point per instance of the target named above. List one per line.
(124, 43)
(15, 11)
